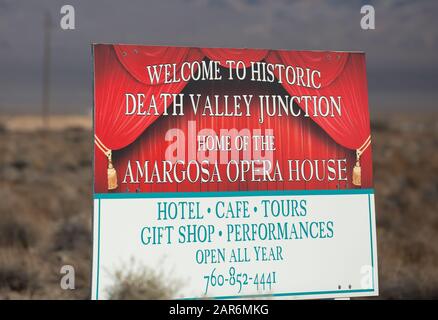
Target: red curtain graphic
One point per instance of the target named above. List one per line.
(121, 69)
(244, 55)
(113, 128)
(343, 75)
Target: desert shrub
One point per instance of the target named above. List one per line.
(142, 283)
(75, 134)
(16, 231)
(71, 234)
(380, 125)
(3, 128)
(18, 271)
(20, 164)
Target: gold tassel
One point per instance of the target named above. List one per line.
(112, 174)
(357, 171)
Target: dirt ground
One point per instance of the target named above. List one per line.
(45, 206)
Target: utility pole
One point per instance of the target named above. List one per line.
(46, 71)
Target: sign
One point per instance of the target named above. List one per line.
(233, 173)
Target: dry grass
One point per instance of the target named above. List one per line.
(18, 273)
(17, 230)
(72, 234)
(45, 212)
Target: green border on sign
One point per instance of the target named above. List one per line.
(207, 194)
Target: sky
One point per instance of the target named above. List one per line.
(401, 53)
